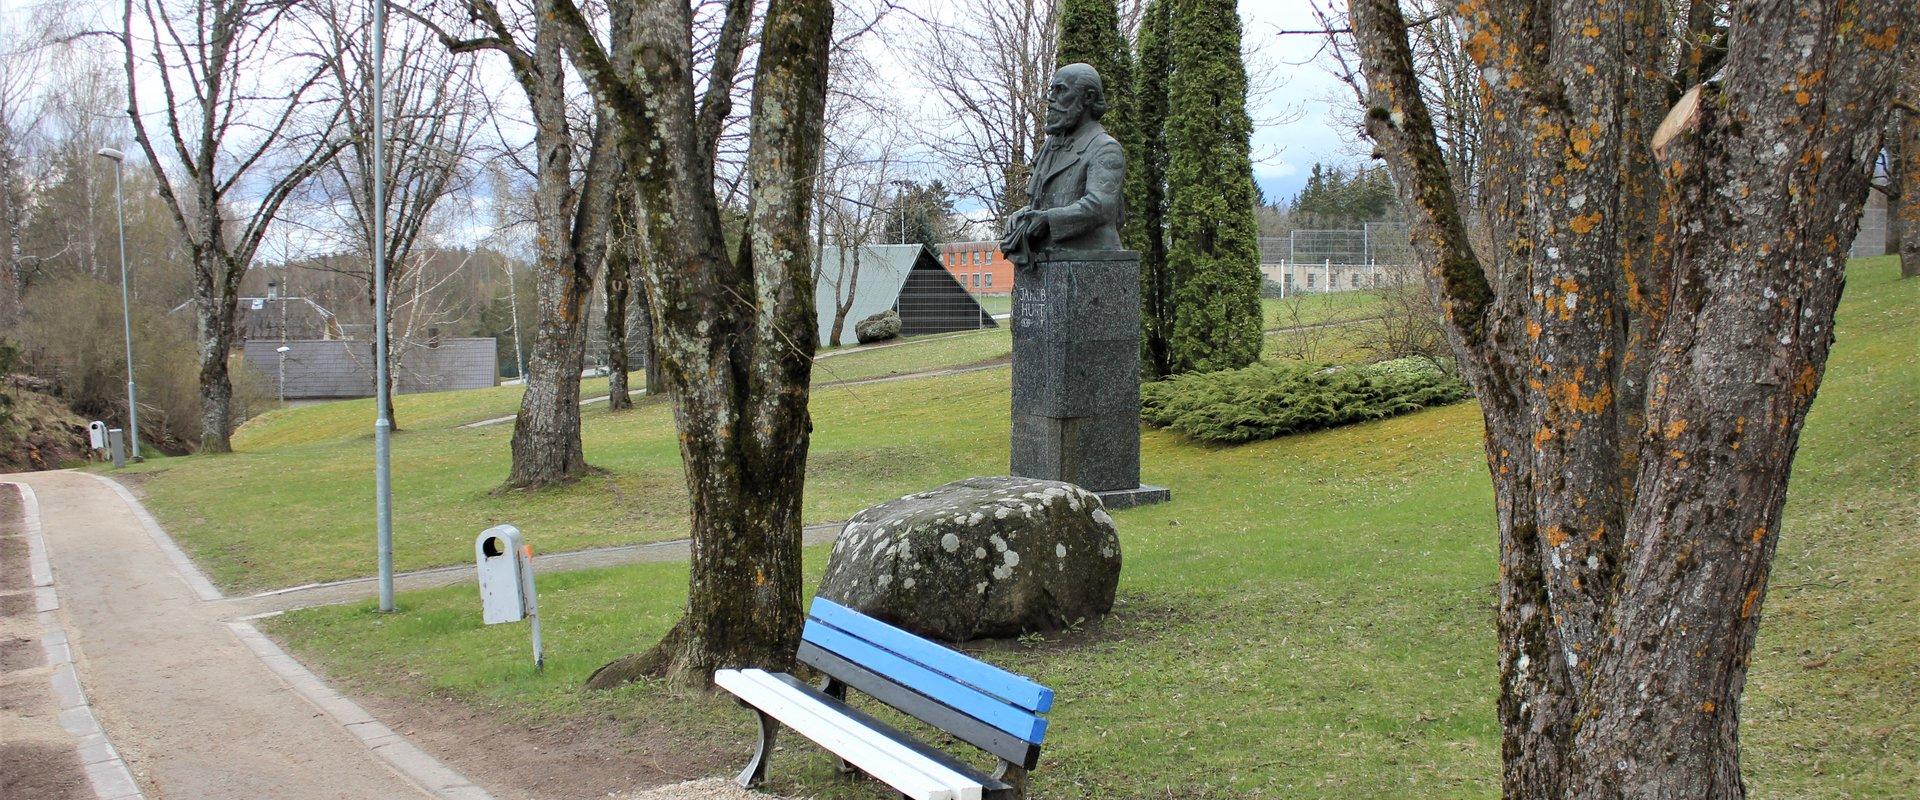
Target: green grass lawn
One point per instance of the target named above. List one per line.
(293, 503)
(917, 354)
(1310, 617)
(1317, 308)
(996, 303)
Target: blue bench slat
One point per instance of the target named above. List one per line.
(992, 680)
(975, 703)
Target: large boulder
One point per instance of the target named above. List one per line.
(979, 558)
(878, 328)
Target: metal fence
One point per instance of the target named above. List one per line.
(1379, 253)
(1372, 255)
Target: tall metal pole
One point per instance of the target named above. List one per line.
(126, 312)
(382, 425)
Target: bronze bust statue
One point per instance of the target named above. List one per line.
(1077, 177)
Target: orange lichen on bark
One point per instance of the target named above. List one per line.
(1807, 382)
(1585, 223)
(1675, 428)
(1884, 40)
(1556, 536)
(1746, 608)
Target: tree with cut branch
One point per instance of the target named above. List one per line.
(237, 134)
(572, 210)
(1669, 200)
(735, 327)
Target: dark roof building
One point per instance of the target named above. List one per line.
(905, 277)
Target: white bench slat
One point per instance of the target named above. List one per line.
(962, 786)
(911, 773)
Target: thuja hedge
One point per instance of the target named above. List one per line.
(1268, 399)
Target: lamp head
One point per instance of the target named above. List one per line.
(108, 152)
(282, 348)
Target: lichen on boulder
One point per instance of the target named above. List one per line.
(878, 328)
(979, 558)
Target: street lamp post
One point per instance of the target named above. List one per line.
(382, 424)
(126, 313)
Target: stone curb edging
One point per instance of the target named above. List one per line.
(106, 770)
(195, 579)
(410, 761)
(403, 756)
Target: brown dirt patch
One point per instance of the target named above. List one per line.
(14, 573)
(15, 604)
(557, 760)
(43, 432)
(42, 771)
(17, 653)
(10, 505)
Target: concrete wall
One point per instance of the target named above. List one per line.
(1312, 278)
(337, 368)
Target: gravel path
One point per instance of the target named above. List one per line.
(707, 789)
(194, 712)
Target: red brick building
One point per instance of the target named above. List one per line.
(978, 266)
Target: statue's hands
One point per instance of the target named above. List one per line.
(1037, 224)
(1017, 229)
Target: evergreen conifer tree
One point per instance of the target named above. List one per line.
(1147, 211)
(1213, 252)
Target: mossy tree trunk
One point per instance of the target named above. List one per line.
(624, 230)
(735, 332)
(1645, 337)
(1903, 215)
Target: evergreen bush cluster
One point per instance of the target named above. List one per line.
(1268, 399)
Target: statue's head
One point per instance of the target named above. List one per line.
(1074, 97)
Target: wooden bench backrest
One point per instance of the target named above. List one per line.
(979, 703)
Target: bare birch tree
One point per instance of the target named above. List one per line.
(245, 121)
(988, 69)
(432, 113)
(1645, 335)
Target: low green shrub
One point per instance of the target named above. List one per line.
(1271, 399)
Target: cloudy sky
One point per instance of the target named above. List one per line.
(1295, 122)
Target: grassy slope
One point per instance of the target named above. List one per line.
(1309, 618)
(917, 355)
(309, 469)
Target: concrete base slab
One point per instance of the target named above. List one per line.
(1142, 495)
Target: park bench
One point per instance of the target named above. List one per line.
(970, 700)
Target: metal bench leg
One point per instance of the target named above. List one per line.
(756, 771)
(832, 687)
(1014, 777)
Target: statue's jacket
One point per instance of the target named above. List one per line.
(1079, 185)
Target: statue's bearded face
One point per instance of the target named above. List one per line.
(1066, 105)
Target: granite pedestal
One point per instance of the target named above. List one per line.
(1076, 373)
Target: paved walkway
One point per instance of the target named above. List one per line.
(347, 591)
(190, 702)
